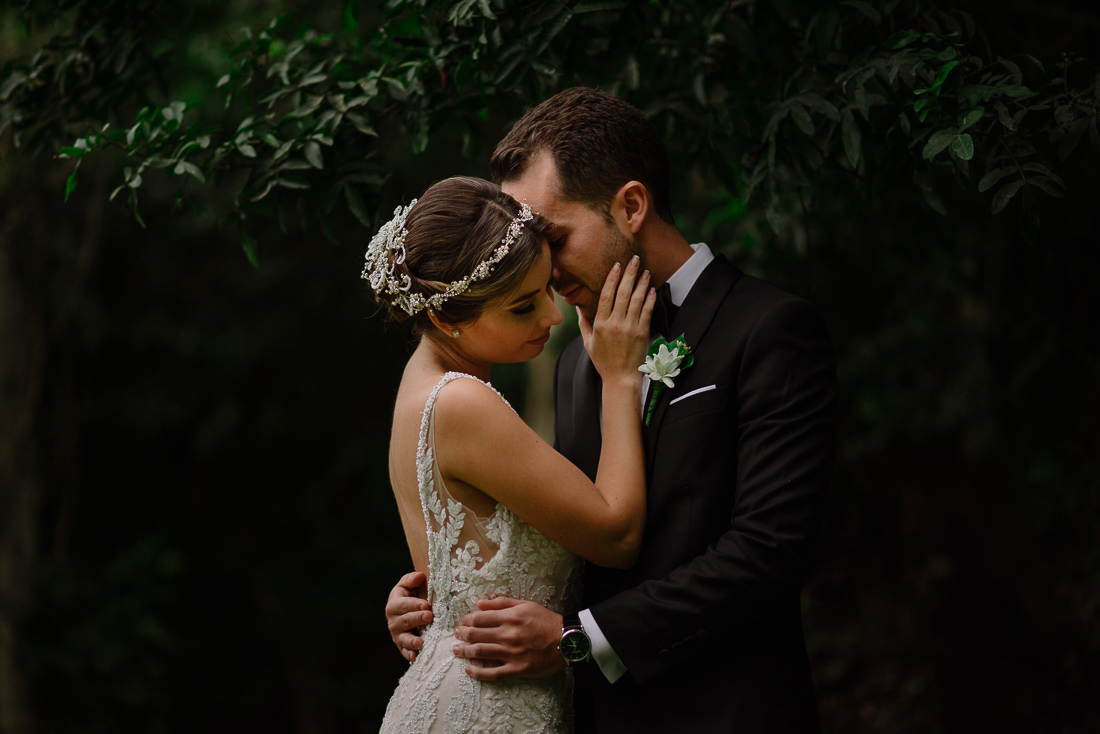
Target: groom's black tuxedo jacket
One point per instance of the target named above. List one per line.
(708, 621)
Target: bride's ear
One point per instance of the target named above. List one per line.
(443, 326)
(630, 206)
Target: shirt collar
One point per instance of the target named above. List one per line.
(681, 282)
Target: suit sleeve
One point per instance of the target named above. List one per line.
(784, 429)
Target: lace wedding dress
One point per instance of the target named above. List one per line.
(472, 558)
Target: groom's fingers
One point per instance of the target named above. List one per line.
(499, 672)
(497, 602)
(483, 651)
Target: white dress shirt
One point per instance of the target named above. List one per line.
(679, 285)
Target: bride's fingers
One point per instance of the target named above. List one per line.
(637, 298)
(646, 314)
(586, 328)
(626, 287)
(607, 294)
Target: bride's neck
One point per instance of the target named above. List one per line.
(449, 358)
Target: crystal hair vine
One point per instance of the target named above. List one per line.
(380, 269)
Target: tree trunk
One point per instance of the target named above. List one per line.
(22, 354)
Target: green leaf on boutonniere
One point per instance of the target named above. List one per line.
(664, 361)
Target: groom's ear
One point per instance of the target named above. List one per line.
(630, 206)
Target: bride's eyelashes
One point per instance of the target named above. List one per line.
(524, 310)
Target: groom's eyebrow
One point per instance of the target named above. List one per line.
(524, 297)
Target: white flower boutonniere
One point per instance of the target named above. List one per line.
(664, 361)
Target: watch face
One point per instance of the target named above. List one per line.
(575, 645)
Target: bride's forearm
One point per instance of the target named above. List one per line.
(620, 477)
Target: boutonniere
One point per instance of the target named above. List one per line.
(664, 361)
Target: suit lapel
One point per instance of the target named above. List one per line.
(586, 416)
(693, 320)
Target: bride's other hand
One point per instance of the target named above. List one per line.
(618, 338)
(406, 612)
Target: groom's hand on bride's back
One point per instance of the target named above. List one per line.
(406, 612)
(521, 635)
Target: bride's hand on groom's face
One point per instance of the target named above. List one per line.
(406, 612)
(521, 635)
(618, 337)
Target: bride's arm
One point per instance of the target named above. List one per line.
(482, 442)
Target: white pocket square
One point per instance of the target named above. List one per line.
(708, 388)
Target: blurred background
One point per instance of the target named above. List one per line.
(196, 526)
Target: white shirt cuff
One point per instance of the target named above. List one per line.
(610, 664)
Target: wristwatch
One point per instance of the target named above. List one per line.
(574, 645)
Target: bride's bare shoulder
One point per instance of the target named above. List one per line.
(467, 398)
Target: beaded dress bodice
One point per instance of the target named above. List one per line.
(472, 558)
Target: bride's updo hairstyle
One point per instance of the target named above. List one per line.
(457, 225)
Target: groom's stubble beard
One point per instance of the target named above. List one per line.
(617, 249)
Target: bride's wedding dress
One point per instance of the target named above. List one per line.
(472, 558)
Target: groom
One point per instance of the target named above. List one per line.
(704, 633)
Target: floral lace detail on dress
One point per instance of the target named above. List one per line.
(472, 558)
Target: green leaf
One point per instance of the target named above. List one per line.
(312, 151)
(939, 142)
(356, 206)
(802, 118)
(852, 137)
(822, 105)
(248, 244)
(73, 151)
(992, 177)
(1040, 168)
(555, 28)
(595, 6)
(941, 75)
(866, 8)
(963, 146)
(191, 168)
(247, 150)
(1006, 192)
(70, 184)
(1046, 184)
(134, 206)
(293, 182)
(971, 117)
(901, 39)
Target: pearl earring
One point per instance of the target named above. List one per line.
(455, 332)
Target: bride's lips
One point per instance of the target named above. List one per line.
(542, 339)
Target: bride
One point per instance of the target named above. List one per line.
(489, 509)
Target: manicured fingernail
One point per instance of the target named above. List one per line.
(634, 260)
(615, 268)
(645, 273)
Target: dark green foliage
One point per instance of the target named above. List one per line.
(234, 534)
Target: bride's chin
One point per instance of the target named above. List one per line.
(524, 354)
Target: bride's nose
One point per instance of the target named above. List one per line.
(554, 313)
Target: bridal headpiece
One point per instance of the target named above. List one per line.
(386, 252)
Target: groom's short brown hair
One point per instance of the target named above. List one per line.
(598, 143)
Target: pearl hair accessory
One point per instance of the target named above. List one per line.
(387, 250)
